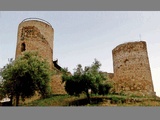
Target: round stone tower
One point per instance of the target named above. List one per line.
(132, 74)
(36, 35)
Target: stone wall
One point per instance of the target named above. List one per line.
(132, 73)
(38, 36)
(57, 85)
(35, 35)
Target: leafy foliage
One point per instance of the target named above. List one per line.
(25, 75)
(84, 79)
(104, 89)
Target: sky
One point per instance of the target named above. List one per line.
(82, 36)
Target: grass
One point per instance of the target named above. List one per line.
(96, 100)
(51, 101)
(54, 100)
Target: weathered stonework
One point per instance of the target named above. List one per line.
(38, 35)
(57, 85)
(132, 73)
(34, 35)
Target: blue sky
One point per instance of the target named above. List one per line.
(81, 36)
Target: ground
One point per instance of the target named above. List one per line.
(96, 100)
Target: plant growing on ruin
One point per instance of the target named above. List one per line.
(84, 80)
(26, 75)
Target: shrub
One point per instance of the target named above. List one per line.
(117, 100)
(104, 89)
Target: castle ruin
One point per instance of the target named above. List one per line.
(38, 35)
(132, 74)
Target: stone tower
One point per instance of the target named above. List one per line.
(36, 35)
(132, 74)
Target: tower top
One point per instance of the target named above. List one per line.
(37, 19)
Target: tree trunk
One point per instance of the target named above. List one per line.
(11, 99)
(88, 97)
(17, 100)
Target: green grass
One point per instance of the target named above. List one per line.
(96, 100)
(54, 100)
(51, 101)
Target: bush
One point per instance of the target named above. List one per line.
(104, 89)
(117, 100)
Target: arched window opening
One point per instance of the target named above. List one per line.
(23, 47)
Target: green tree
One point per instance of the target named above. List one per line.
(104, 88)
(26, 75)
(84, 79)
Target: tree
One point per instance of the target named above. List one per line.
(84, 79)
(26, 75)
(104, 88)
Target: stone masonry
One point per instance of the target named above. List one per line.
(132, 74)
(38, 35)
(34, 35)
